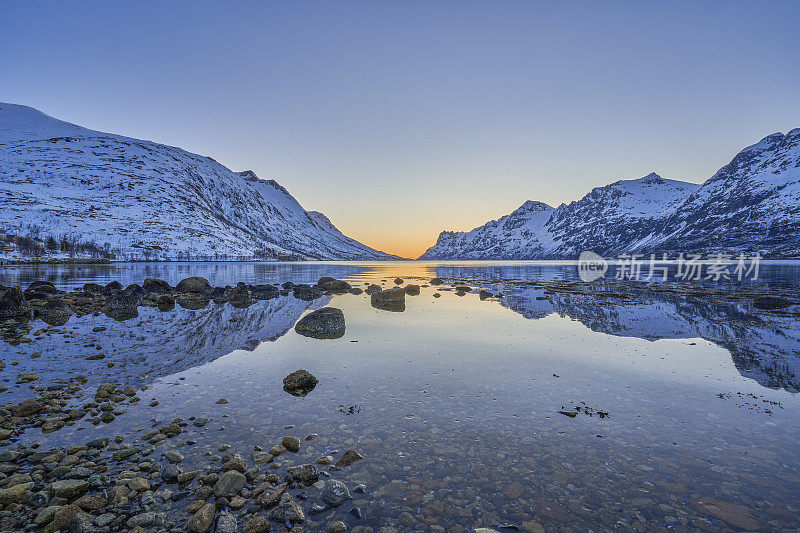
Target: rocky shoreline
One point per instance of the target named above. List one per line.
(113, 484)
(158, 480)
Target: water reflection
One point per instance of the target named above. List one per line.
(763, 347)
(156, 343)
(455, 401)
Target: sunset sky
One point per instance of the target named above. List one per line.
(402, 119)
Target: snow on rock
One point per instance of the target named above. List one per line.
(751, 205)
(139, 199)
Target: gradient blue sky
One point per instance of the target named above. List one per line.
(400, 119)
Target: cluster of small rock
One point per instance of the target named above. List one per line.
(107, 485)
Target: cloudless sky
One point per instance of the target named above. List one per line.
(399, 119)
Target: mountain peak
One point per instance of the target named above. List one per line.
(532, 205)
(21, 121)
(652, 178)
(142, 200)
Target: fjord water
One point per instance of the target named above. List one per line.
(454, 402)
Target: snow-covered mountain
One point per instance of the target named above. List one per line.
(751, 205)
(140, 199)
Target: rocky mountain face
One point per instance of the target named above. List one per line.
(138, 199)
(750, 205)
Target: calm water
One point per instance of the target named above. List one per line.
(455, 400)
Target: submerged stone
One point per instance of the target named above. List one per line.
(300, 382)
(325, 323)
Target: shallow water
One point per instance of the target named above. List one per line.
(455, 400)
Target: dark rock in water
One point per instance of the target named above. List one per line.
(136, 290)
(734, 514)
(220, 294)
(202, 520)
(170, 473)
(229, 484)
(335, 285)
(41, 288)
(92, 288)
(463, 288)
(372, 289)
(770, 302)
(55, 312)
(29, 407)
(306, 293)
(192, 303)
(299, 382)
(194, 285)
(335, 493)
(156, 285)
(436, 281)
(325, 279)
(271, 497)
(114, 286)
(288, 512)
(483, 295)
(393, 299)
(13, 303)
(349, 457)
(398, 281)
(264, 292)
(240, 296)
(165, 302)
(288, 285)
(305, 474)
(122, 306)
(411, 289)
(325, 323)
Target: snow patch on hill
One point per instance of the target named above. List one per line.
(143, 200)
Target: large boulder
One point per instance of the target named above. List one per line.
(333, 285)
(300, 382)
(55, 312)
(114, 286)
(13, 303)
(306, 293)
(122, 305)
(40, 289)
(194, 285)
(393, 299)
(156, 285)
(325, 323)
(412, 289)
(240, 296)
(92, 288)
(264, 292)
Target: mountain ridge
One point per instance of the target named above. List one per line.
(137, 199)
(751, 205)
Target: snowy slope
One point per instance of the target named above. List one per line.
(608, 219)
(147, 200)
(512, 236)
(750, 205)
